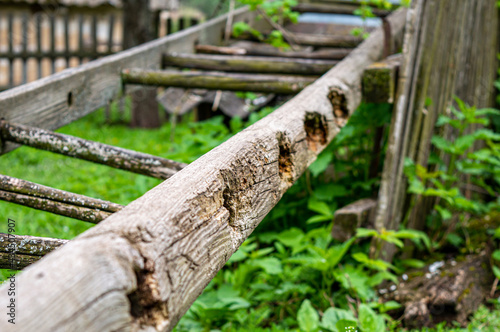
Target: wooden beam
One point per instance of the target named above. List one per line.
(285, 84)
(132, 161)
(144, 266)
(24, 187)
(379, 81)
(55, 201)
(306, 39)
(76, 92)
(246, 64)
(336, 8)
(253, 49)
(347, 219)
(17, 252)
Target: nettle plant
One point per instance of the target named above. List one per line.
(480, 167)
(278, 12)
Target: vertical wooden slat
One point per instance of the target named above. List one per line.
(52, 42)
(10, 36)
(169, 26)
(94, 36)
(80, 37)
(24, 33)
(38, 20)
(111, 33)
(66, 38)
(181, 23)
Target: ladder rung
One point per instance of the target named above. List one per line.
(246, 64)
(17, 252)
(96, 152)
(54, 200)
(285, 84)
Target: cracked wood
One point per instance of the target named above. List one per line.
(143, 267)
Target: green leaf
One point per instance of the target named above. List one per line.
(388, 306)
(319, 207)
(321, 163)
(271, 265)
(345, 325)
(496, 271)
(444, 213)
(333, 315)
(369, 321)
(307, 317)
(364, 232)
(496, 255)
(317, 219)
(291, 237)
(414, 263)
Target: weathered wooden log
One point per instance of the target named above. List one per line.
(285, 84)
(24, 187)
(306, 39)
(124, 159)
(347, 219)
(246, 64)
(143, 267)
(336, 8)
(17, 252)
(250, 48)
(63, 209)
(379, 81)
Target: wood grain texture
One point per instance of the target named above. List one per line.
(128, 160)
(265, 83)
(17, 252)
(248, 64)
(142, 268)
(20, 186)
(76, 92)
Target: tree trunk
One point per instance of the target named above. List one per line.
(139, 28)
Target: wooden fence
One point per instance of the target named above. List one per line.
(37, 41)
(144, 265)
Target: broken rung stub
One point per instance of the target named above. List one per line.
(379, 81)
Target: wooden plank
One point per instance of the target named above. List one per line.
(246, 64)
(306, 39)
(94, 84)
(143, 267)
(17, 251)
(336, 8)
(24, 187)
(379, 81)
(257, 49)
(128, 160)
(52, 20)
(285, 84)
(347, 219)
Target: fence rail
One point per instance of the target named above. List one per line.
(150, 260)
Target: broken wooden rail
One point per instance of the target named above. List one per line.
(252, 49)
(132, 161)
(55, 201)
(142, 267)
(285, 84)
(17, 252)
(247, 64)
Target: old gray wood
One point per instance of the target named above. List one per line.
(142, 268)
(128, 160)
(76, 92)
